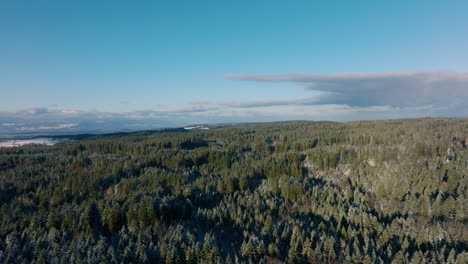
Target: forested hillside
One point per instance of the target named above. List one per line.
(292, 192)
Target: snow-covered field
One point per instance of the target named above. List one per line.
(36, 141)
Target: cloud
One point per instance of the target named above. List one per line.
(340, 97)
(56, 127)
(65, 120)
(397, 89)
(55, 120)
(268, 103)
(35, 111)
(194, 108)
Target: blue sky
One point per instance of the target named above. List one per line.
(113, 65)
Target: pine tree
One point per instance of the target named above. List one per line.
(293, 255)
(307, 251)
(273, 250)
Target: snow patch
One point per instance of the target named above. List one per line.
(35, 141)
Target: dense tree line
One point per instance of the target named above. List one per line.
(293, 192)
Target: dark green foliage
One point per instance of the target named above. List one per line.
(295, 192)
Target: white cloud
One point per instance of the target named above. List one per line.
(35, 111)
(193, 108)
(56, 127)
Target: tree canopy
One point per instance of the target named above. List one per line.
(292, 192)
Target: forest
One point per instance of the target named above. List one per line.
(282, 192)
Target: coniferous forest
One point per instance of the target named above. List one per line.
(283, 192)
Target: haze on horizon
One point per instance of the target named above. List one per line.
(113, 65)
